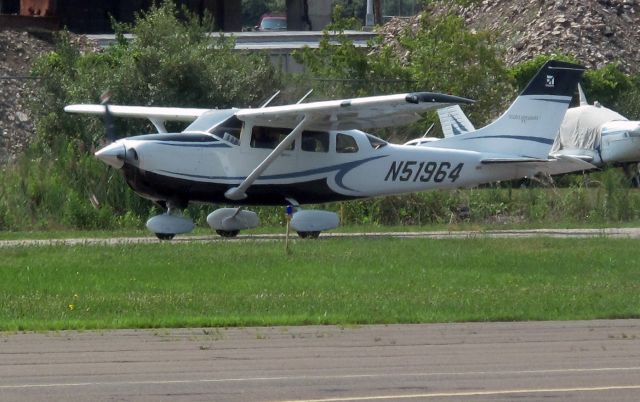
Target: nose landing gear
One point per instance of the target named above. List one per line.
(171, 223)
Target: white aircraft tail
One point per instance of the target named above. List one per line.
(454, 121)
(528, 128)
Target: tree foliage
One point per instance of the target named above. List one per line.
(441, 56)
(608, 84)
(169, 61)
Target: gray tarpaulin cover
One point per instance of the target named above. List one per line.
(581, 127)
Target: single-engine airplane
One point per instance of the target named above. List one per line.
(314, 153)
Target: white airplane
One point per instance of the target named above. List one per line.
(592, 133)
(598, 135)
(314, 153)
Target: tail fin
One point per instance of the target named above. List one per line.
(454, 121)
(528, 128)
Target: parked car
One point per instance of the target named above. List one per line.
(272, 22)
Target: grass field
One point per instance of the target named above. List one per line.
(330, 281)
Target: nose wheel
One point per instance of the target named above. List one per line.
(165, 236)
(309, 235)
(171, 223)
(228, 233)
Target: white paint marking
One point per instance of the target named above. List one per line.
(311, 378)
(473, 393)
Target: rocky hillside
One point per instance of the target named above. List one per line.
(18, 51)
(596, 32)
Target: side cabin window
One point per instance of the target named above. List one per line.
(269, 137)
(315, 141)
(346, 144)
(228, 130)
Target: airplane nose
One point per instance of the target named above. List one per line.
(113, 155)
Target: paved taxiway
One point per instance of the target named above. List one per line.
(631, 233)
(530, 361)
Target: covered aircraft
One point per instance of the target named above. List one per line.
(591, 133)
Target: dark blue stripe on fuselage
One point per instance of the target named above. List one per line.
(195, 145)
(514, 137)
(562, 101)
(156, 187)
(342, 169)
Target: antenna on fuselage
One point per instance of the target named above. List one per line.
(582, 96)
(305, 96)
(428, 130)
(265, 104)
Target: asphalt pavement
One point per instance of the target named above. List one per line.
(524, 361)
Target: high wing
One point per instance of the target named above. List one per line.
(157, 115)
(357, 113)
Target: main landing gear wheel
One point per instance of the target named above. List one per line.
(227, 233)
(165, 236)
(309, 235)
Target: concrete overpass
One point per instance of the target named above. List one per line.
(93, 16)
(280, 45)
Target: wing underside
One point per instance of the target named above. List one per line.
(357, 113)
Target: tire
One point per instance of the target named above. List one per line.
(228, 233)
(309, 235)
(165, 236)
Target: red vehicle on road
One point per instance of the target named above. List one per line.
(272, 22)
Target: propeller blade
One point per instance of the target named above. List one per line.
(109, 126)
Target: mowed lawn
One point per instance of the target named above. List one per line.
(330, 281)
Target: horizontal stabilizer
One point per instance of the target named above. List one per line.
(565, 153)
(566, 163)
(511, 160)
(454, 121)
(531, 166)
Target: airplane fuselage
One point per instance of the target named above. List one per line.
(201, 167)
(619, 144)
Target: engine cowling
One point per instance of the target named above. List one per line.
(169, 224)
(232, 219)
(314, 221)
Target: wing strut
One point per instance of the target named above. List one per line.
(239, 193)
(159, 124)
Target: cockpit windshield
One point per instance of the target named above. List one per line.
(209, 119)
(229, 130)
(376, 142)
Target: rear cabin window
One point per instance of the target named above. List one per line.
(346, 144)
(315, 141)
(269, 137)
